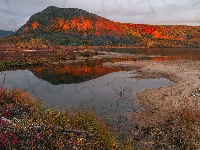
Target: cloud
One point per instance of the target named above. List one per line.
(14, 14)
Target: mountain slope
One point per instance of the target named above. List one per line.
(71, 26)
(5, 33)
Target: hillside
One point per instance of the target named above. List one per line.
(5, 33)
(71, 26)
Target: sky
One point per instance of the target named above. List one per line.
(15, 13)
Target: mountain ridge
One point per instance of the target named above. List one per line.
(74, 27)
(5, 33)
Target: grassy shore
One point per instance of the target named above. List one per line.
(28, 124)
(171, 119)
(27, 58)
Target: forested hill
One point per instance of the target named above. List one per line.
(5, 33)
(71, 26)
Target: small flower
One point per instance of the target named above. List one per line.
(12, 133)
(3, 122)
(6, 140)
(36, 139)
(14, 142)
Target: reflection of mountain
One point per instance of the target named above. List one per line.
(75, 73)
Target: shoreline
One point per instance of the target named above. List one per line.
(185, 91)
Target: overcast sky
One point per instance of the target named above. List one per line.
(15, 13)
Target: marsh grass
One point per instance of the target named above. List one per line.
(178, 129)
(27, 124)
(13, 59)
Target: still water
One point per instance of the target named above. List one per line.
(160, 53)
(110, 92)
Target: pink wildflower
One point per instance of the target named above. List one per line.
(15, 141)
(3, 121)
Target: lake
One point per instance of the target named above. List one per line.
(160, 53)
(110, 92)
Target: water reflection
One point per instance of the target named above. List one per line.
(111, 95)
(73, 73)
(160, 53)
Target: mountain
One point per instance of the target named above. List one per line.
(71, 26)
(5, 33)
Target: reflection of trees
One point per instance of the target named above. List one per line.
(75, 73)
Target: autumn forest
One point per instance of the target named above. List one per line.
(75, 27)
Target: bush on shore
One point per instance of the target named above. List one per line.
(28, 124)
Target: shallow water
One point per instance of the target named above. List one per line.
(114, 89)
(109, 92)
(160, 53)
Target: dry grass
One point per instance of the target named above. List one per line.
(174, 130)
